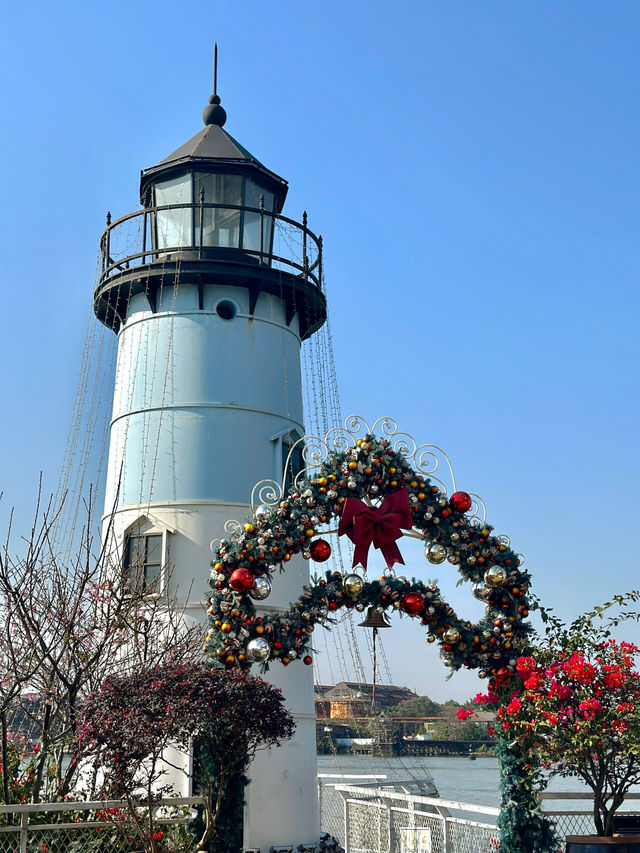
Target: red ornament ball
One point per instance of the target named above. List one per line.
(412, 603)
(460, 501)
(307, 659)
(320, 550)
(241, 580)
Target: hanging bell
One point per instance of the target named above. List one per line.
(375, 618)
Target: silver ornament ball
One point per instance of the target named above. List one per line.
(258, 650)
(261, 590)
(263, 513)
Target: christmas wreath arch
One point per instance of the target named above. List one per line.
(371, 488)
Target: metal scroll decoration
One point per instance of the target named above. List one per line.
(351, 465)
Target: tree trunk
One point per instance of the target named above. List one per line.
(45, 734)
(5, 765)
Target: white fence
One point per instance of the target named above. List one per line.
(83, 827)
(569, 820)
(365, 819)
(369, 819)
(381, 820)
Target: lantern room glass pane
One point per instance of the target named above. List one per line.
(174, 227)
(220, 225)
(251, 235)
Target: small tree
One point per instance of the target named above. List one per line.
(574, 707)
(130, 722)
(65, 624)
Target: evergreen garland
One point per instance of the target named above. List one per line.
(370, 470)
(523, 827)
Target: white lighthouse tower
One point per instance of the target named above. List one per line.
(210, 291)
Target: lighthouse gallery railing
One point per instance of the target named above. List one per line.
(183, 231)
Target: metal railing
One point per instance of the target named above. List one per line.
(85, 827)
(364, 819)
(560, 807)
(377, 820)
(282, 243)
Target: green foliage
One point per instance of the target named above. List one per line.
(19, 771)
(371, 470)
(418, 706)
(131, 720)
(453, 729)
(523, 829)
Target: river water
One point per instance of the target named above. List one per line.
(456, 778)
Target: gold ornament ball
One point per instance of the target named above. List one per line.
(495, 576)
(436, 553)
(451, 635)
(480, 592)
(352, 585)
(430, 638)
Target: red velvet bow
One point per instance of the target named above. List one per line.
(381, 526)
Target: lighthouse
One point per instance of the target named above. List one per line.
(210, 290)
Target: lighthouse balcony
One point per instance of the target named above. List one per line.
(208, 243)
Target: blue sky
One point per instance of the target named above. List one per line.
(474, 170)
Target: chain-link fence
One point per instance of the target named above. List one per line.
(572, 812)
(96, 827)
(369, 819)
(377, 820)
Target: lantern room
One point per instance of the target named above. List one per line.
(211, 193)
(211, 215)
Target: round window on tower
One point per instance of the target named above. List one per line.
(226, 310)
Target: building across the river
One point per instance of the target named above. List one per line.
(352, 699)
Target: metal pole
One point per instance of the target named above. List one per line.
(261, 205)
(347, 846)
(144, 236)
(373, 686)
(201, 220)
(320, 261)
(24, 831)
(108, 240)
(305, 259)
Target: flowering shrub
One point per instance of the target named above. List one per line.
(130, 722)
(19, 768)
(577, 713)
